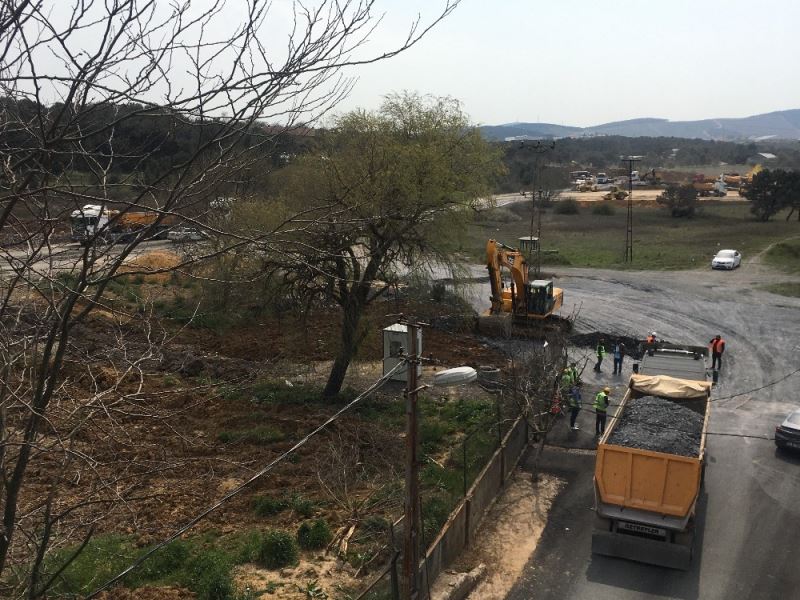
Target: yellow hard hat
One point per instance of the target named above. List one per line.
(607, 390)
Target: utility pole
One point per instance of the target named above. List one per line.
(538, 148)
(539, 236)
(412, 501)
(631, 160)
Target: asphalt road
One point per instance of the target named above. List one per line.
(750, 513)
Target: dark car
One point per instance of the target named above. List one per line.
(787, 434)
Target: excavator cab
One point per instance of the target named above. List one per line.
(540, 296)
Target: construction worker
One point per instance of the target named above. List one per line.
(576, 376)
(601, 352)
(574, 401)
(717, 348)
(651, 339)
(618, 351)
(600, 410)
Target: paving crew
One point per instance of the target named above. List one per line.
(600, 410)
(601, 352)
(618, 351)
(717, 348)
(571, 392)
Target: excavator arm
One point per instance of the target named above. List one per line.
(499, 256)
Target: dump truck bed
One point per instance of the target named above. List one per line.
(646, 500)
(658, 482)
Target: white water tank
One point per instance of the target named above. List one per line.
(395, 337)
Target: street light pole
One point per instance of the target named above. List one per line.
(412, 506)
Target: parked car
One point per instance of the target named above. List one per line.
(726, 259)
(787, 434)
(185, 234)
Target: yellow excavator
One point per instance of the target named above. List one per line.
(747, 180)
(521, 304)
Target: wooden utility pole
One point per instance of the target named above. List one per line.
(412, 501)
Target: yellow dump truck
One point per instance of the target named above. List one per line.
(645, 497)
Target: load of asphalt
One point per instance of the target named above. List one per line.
(633, 346)
(659, 425)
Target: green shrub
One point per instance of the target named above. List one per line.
(266, 506)
(248, 547)
(375, 523)
(277, 549)
(315, 535)
(605, 209)
(567, 206)
(209, 576)
(302, 506)
(163, 563)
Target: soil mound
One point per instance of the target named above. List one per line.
(633, 346)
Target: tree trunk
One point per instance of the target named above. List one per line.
(350, 342)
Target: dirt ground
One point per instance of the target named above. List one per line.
(197, 384)
(507, 537)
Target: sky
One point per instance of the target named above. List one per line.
(587, 62)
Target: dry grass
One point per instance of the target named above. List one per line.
(154, 266)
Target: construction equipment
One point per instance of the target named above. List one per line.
(646, 496)
(615, 194)
(747, 180)
(93, 221)
(709, 186)
(522, 303)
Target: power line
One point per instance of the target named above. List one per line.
(135, 564)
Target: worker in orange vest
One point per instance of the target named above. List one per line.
(651, 339)
(717, 348)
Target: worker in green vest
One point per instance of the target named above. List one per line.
(600, 410)
(601, 352)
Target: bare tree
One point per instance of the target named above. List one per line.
(124, 118)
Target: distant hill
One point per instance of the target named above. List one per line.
(784, 124)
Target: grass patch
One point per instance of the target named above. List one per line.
(785, 256)
(257, 435)
(660, 242)
(202, 564)
(791, 289)
(279, 393)
(267, 506)
(604, 209)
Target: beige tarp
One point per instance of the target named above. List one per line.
(669, 387)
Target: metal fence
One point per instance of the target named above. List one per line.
(459, 529)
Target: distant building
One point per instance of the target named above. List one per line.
(761, 157)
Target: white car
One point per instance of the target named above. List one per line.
(726, 259)
(787, 434)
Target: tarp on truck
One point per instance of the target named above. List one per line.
(669, 387)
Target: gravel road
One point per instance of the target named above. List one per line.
(750, 510)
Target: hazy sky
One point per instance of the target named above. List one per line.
(585, 62)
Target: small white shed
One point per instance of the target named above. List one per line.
(395, 337)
